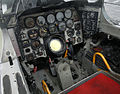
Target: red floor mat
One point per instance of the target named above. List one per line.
(100, 84)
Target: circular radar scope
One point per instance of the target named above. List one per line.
(55, 45)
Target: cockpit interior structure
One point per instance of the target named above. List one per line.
(58, 47)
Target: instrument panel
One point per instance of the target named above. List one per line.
(36, 28)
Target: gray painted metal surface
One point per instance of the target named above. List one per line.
(5, 67)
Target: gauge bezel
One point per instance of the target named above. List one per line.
(57, 16)
(43, 28)
(71, 13)
(38, 22)
(59, 26)
(33, 46)
(52, 26)
(26, 24)
(29, 34)
(71, 32)
(67, 23)
(48, 16)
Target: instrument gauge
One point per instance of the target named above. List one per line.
(52, 28)
(68, 13)
(33, 34)
(70, 23)
(62, 26)
(35, 44)
(43, 32)
(51, 18)
(70, 32)
(29, 22)
(59, 16)
(41, 21)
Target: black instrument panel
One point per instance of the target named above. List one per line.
(89, 22)
(36, 28)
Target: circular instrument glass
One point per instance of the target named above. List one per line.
(70, 32)
(33, 34)
(51, 18)
(43, 32)
(52, 28)
(41, 21)
(59, 16)
(35, 44)
(55, 45)
(62, 26)
(29, 22)
(68, 13)
(70, 23)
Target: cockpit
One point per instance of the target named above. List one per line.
(54, 47)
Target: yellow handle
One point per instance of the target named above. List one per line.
(66, 53)
(45, 87)
(105, 61)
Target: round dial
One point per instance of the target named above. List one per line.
(29, 22)
(43, 32)
(68, 13)
(62, 26)
(70, 23)
(40, 20)
(52, 28)
(35, 44)
(33, 34)
(55, 45)
(51, 18)
(70, 33)
(59, 16)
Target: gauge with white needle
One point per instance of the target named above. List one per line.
(59, 16)
(51, 18)
(40, 20)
